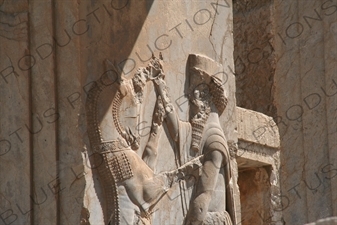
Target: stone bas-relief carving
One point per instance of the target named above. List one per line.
(199, 145)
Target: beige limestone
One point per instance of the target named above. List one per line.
(257, 128)
(305, 71)
(254, 54)
(51, 53)
(325, 221)
(296, 43)
(258, 160)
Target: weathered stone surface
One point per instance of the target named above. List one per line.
(258, 160)
(53, 53)
(15, 170)
(257, 128)
(305, 97)
(51, 56)
(326, 221)
(255, 195)
(254, 54)
(299, 74)
(130, 183)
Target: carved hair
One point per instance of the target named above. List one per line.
(218, 95)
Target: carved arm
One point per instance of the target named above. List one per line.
(171, 117)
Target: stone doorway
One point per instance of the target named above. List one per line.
(254, 189)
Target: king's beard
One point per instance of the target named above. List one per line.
(200, 112)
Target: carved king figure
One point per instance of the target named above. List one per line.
(202, 135)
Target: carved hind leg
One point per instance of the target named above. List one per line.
(145, 188)
(151, 151)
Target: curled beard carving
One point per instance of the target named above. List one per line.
(198, 122)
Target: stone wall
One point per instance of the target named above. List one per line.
(326, 221)
(306, 100)
(254, 55)
(296, 84)
(258, 159)
(41, 144)
(51, 53)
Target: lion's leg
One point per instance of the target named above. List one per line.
(151, 151)
(144, 188)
